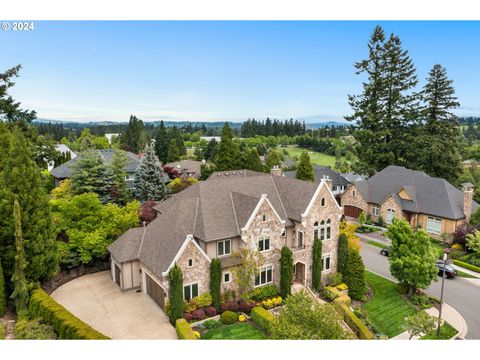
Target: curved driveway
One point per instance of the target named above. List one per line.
(99, 302)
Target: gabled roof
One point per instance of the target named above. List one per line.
(65, 170)
(322, 172)
(190, 167)
(429, 195)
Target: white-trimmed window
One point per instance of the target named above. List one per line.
(300, 239)
(328, 230)
(265, 275)
(434, 225)
(316, 230)
(129, 177)
(390, 216)
(190, 263)
(375, 210)
(227, 277)
(190, 291)
(224, 247)
(263, 244)
(322, 230)
(322, 202)
(326, 263)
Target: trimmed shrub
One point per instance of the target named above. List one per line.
(331, 293)
(228, 317)
(262, 318)
(66, 325)
(345, 299)
(342, 253)
(215, 282)
(334, 279)
(230, 306)
(175, 294)
(357, 325)
(286, 268)
(199, 314)
(380, 222)
(246, 306)
(354, 275)
(467, 265)
(33, 329)
(188, 316)
(421, 300)
(203, 300)
(362, 218)
(210, 311)
(317, 264)
(341, 287)
(184, 330)
(264, 292)
(212, 324)
(457, 247)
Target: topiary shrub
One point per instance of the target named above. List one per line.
(262, 318)
(229, 317)
(184, 330)
(210, 311)
(317, 264)
(286, 270)
(354, 275)
(175, 294)
(215, 282)
(342, 253)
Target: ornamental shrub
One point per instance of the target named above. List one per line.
(341, 287)
(228, 317)
(267, 304)
(203, 300)
(32, 329)
(277, 301)
(380, 222)
(467, 265)
(175, 294)
(358, 327)
(264, 292)
(342, 253)
(331, 293)
(242, 318)
(286, 269)
(246, 306)
(262, 318)
(199, 314)
(215, 282)
(457, 247)
(334, 279)
(66, 325)
(210, 311)
(421, 300)
(317, 264)
(354, 275)
(211, 324)
(184, 330)
(231, 305)
(362, 218)
(188, 316)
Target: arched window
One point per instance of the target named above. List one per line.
(329, 229)
(322, 202)
(322, 230)
(315, 230)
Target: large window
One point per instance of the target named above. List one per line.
(325, 230)
(390, 216)
(190, 291)
(265, 275)
(300, 239)
(224, 247)
(315, 230)
(375, 210)
(328, 230)
(326, 262)
(434, 225)
(263, 244)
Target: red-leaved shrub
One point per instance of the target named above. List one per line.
(199, 314)
(230, 305)
(210, 311)
(188, 316)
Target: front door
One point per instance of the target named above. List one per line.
(299, 273)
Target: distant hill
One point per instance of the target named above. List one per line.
(325, 124)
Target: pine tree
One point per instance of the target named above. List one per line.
(135, 136)
(162, 143)
(354, 275)
(273, 159)
(150, 177)
(342, 253)
(228, 154)
(286, 269)
(211, 150)
(252, 160)
(173, 151)
(437, 140)
(91, 174)
(175, 294)
(120, 193)
(9, 108)
(3, 296)
(20, 292)
(176, 134)
(317, 265)
(305, 168)
(20, 179)
(215, 282)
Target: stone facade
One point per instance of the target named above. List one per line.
(390, 203)
(348, 198)
(199, 272)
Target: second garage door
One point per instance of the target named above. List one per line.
(351, 211)
(155, 291)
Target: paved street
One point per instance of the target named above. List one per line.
(458, 293)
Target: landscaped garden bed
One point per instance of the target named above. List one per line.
(447, 332)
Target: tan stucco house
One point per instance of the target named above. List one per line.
(213, 218)
(424, 201)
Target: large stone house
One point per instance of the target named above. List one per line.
(216, 217)
(424, 201)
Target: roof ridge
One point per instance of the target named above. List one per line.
(278, 194)
(141, 241)
(195, 216)
(234, 211)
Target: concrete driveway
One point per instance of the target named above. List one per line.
(99, 302)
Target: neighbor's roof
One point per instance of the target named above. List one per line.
(213, 209)
(65, 170)
(188, 166)
(429, 195)
(322, 172)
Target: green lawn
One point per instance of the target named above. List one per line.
(377, 244)
(238, 331)
(316, 157)
(447, 331)
(387, 309)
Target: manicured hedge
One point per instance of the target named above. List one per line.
(357, 325)
(467, 265)
(184, 330)
(262, 317)
(66, 325)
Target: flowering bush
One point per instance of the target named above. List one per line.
(457, 247)
(341, 287)
(197, 334)
(210, 311)
(277, 301)
(242, 318)
(267, 304)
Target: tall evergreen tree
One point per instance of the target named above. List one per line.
(215, 282)
(252, 160)
(135, 136)
(273, 159)
(3, 296)
(437, 139)
(176, 133)
(173, 151)
(211, 150)
(91, 174)
(286, 269)
(175, 294)
(150, 177)
(228, 154)
(20, 292)
(162, 143)
(9, 108)
(354, 275)
(317, 265)
(342, 253)
(20, 180)
(120, 192)
(305, 168)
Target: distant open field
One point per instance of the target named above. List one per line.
(316, 157)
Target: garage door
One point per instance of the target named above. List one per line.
(155, 291)
(351, 211)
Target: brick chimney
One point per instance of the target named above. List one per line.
(276, 170)
(467, 189)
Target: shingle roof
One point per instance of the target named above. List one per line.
(65, 170)
(188, 166)
(429, 195)
(322, 172)
(126, 247)
(214, 209)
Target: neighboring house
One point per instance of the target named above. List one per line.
(65, 170)
(188, 168)
(214, 218)
(340, 183)
(427, 202)
(63, 149)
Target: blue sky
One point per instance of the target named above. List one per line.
(216, 71)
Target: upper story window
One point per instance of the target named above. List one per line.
(354, 192)
(265, 275)
(328, 230)
(224, 247)
(316, 230)
(264, 217)
(375, 210)
(325, 230)
(190, 262)
(130, 177)
(322, 202)
(300, 239)
(263, 244)
(284, 232)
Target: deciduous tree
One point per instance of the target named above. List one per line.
(247, 269)
(419, 323)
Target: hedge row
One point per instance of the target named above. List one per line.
(66, 325)
(184, 330)
(262, 317)
(467, 265)
(357, 325)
